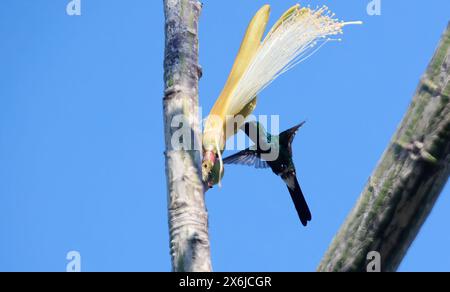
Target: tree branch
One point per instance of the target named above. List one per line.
(188, 218)
(403, 188)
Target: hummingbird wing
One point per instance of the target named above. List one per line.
(247, 157)
(297, 197)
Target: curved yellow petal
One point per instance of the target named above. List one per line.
(243, 114)
(249, 47)
(283, 17)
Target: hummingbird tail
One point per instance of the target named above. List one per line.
(299, 200)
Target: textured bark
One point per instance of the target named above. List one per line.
(403, 188)
(188, 218)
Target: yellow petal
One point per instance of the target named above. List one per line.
(244, 113)
(249, 47)
(283, 17)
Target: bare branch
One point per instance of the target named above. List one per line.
(188, 218)
(407, 181)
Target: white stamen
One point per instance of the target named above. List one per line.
(219, 154)
(296, 39)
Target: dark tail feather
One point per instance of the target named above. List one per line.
(300, 203)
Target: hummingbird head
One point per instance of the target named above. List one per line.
(212, 169)
(209, 159)
(213, 143)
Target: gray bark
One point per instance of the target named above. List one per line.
(404, 187)
(188, 218)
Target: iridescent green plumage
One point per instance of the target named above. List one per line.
(274, 151)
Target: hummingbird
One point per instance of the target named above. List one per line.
(274, 151)
(262, 57)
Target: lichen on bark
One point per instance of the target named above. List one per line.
(403, 188)
(188, 217)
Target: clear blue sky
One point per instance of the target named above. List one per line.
(81, 136)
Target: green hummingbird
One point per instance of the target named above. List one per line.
(274, 151)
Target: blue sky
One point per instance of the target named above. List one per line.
(81, 135)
